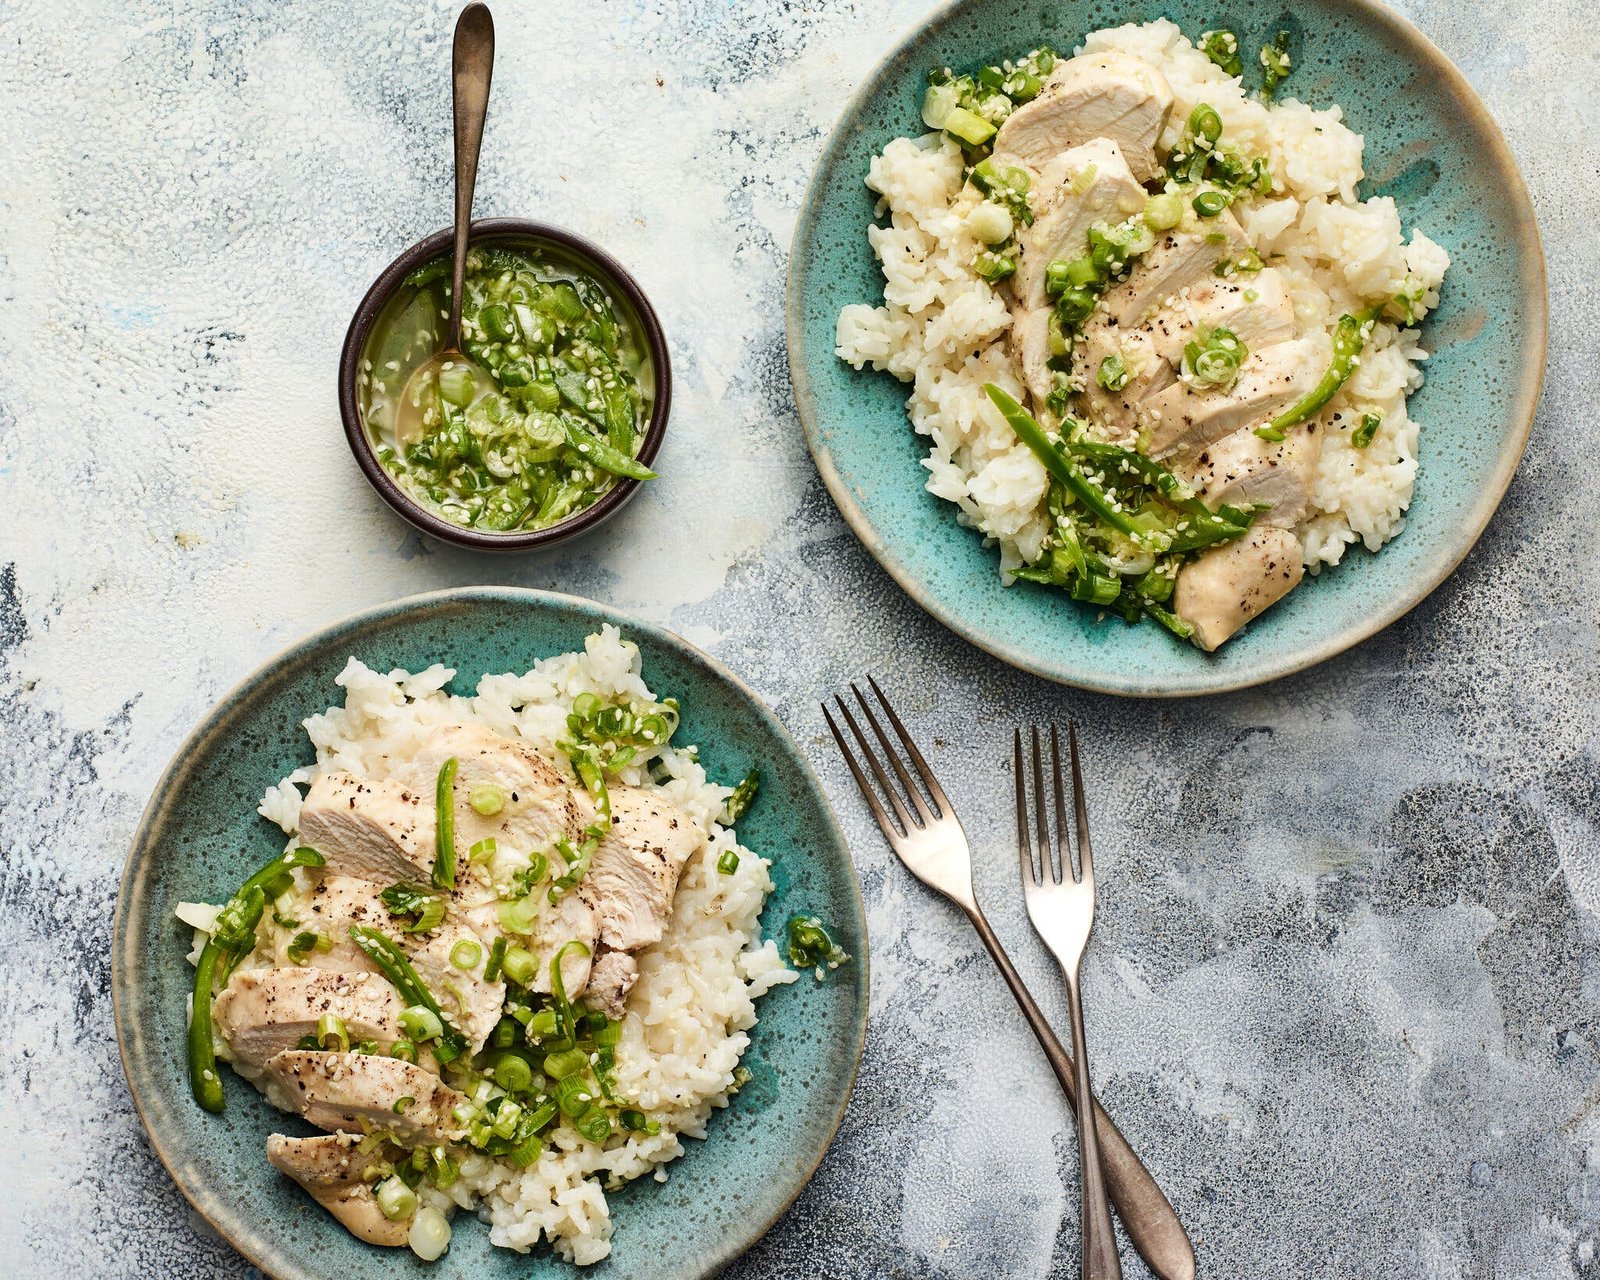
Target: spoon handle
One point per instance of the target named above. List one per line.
(472, 69)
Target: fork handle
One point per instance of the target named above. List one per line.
(1151, 1223)
(1100, 1260)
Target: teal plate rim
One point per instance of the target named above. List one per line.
(231, 1218)
(1218, 676)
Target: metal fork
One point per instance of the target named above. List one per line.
(928, 838)
(1061, 906)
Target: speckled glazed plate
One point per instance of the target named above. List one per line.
(1430, 143)
(200, 837)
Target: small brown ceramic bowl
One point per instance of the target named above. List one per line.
(511, 231)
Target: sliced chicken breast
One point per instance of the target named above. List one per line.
(262, 1012)
(1235, 582)
(1256, 309)
(1182, 418)
(610, 980)
(1147, 373)
(634, 875)
(335, 903)
(1242, 469)
(571, 919)
(1029, 341)
(1095, 95)
(380, 831)
(329, 1167)
(1088, 184)
(1182, 257)
(358, 1093)
(539, 803)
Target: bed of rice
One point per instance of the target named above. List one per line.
(688, 1018)
(942, 328)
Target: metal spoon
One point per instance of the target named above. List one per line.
(472, 68)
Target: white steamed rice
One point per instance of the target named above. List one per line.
(942, 328)
(689, 1016)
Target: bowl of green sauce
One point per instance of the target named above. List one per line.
(553, 425)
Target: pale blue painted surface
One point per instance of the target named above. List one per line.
(1343, 995)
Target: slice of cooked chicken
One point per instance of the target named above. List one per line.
(1180, 258)
(358, 1093)
(1029, 341)
(1095, 95)
(539, 804)
(335, 903)
(1181, 418)
(329, 1167)
(1235, 582)
(572, 919)
(610, 980)
(1088, 184)
(1102, 339)
(262, 1012)
(381, 831)
(1256, 309)
(635, 870)
(1242, 469)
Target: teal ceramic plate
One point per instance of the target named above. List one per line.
(200, 837)
(1430, 143)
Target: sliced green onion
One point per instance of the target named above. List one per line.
(395, 1199)
(1113, 372)
(968, 127)
(331, 1033)
(430, 1234)
(497, 957)
(466, 954)
(1208, 204)
(1204, 122)
(402, 1104)
(594, 1124)
(405, 1050)
(483, 850)
(519, 915)
(486, 799)
(1361, 437)
(543, 1025)
(303, 944)
(637, 1121)
(1222, 47)
(744, 795)
(1164, 212)
(558, 1066)
(456, 383)
(421, 1023)
(728, 863)
(444, 861)
(572, 1095)
(512, 1073)
(520, 966)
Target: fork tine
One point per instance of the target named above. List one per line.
(867, 792)
(877, 767)
(894, 756)
(1041, 814)
(1030, 874)
(940, 803)
(1063, 842)
(1085, 854)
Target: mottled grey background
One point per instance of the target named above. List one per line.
(1344, 991)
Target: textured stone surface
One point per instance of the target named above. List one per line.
(1343, 993)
